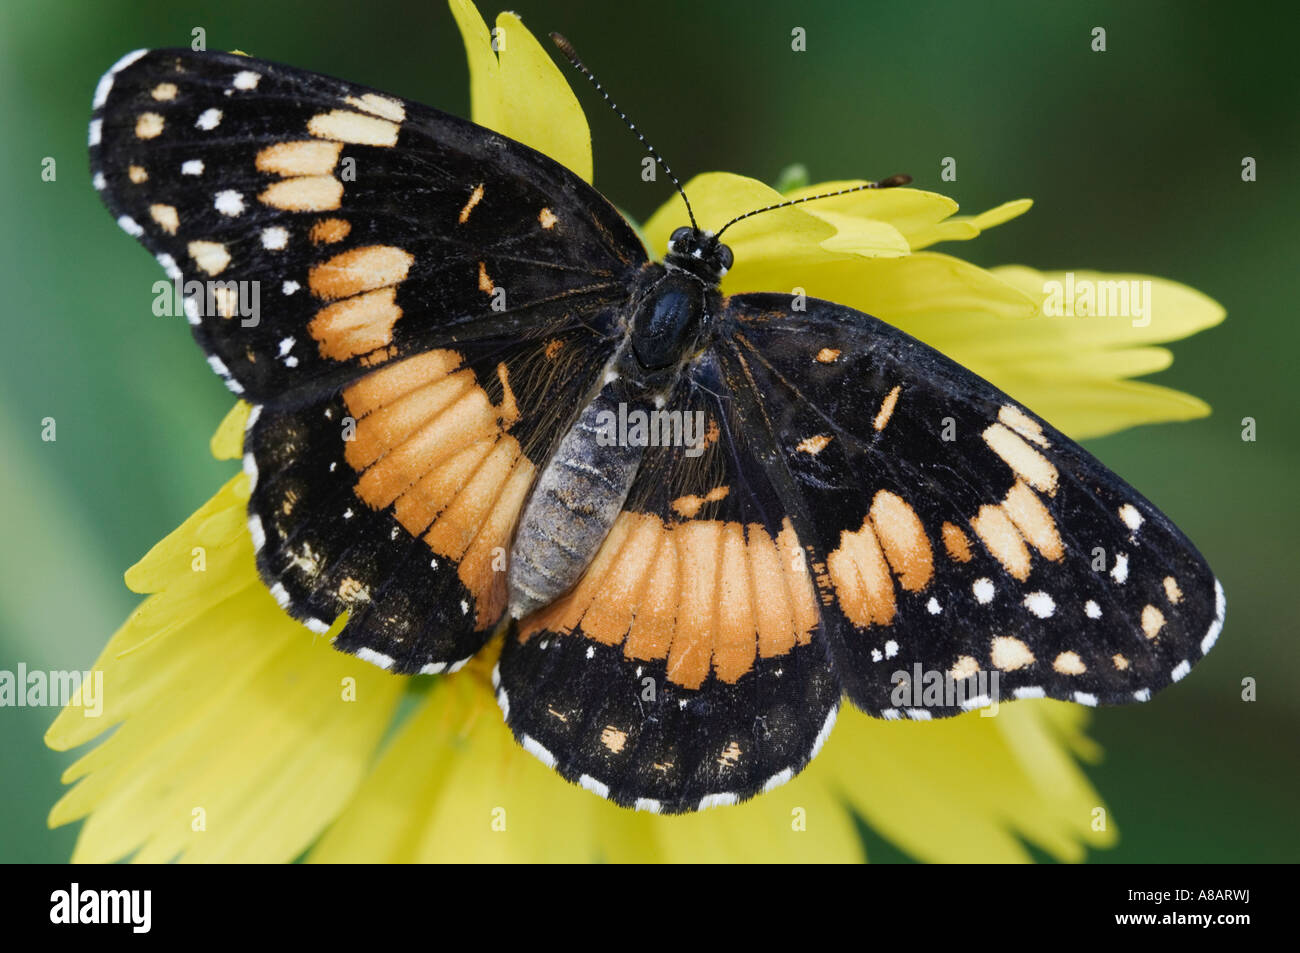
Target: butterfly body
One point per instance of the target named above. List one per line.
(460, 353)
(578, 495)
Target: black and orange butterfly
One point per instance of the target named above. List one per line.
(703, 519)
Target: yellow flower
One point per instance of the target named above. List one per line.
(242, 737)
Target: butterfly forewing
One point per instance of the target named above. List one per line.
(326, 228)
(415, 304)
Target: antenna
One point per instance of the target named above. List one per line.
(892, 182)
(567, 49)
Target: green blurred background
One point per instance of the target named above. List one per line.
(1133, 157)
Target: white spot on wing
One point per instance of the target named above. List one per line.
(273, 239)
(192, 167)
(130, 226)
(778, 779)
(722, 799)
(1092, 610)
(594, 786)
(375, 658)
(95, 127)
(102, 89)
(1040, 604)
(209, 119)
(169, 265)
(1130, 515)
(126, 61)
(825, 733)
(255, 530)
(246, 79)
(229, 202)
(1120, 572)
(533, 747)
(1220, 612)
(105, 85)
(983, 590)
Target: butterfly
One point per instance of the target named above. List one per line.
(701, 520)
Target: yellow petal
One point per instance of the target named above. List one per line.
(969, 789)
(965, 227)
(1084, 409)
(518, 91)
(911, 213)
(861, 236)
(228, 442)
(485, 98)
(454, 786)
(1072, 370)
(1175, 310)
(1002, 214)
(241, 735)
(926, 283)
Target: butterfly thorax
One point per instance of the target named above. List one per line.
(585, 482)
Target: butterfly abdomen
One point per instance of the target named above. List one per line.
(575, 501)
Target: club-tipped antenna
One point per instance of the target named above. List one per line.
(892, 182)
(567, 49)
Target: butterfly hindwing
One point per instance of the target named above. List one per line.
(322, 228)
(688, 667)
(954, 535)
(396, 499)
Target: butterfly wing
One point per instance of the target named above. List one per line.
(396, 499)
(688, 667)
(414, 303)
(954, 535)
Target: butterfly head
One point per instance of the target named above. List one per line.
(698, 252)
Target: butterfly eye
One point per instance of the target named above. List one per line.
(725, 258)
(678, 237)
